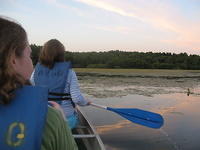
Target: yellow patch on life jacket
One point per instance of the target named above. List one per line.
(20, 136)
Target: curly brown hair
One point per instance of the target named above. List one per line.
(53, 51)
(13, 40)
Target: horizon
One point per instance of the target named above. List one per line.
(124, 51)
(169, 26)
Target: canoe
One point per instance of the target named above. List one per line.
(85, 134)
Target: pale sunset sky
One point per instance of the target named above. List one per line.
(103, 25)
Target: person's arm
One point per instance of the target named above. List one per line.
(75, 92)
(32, 78)
(56, 134)
(57, 107)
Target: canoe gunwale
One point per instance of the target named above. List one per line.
(87, 133)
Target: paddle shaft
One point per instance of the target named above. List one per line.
(98, 106)
(104, 107)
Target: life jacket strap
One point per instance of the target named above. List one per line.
(59, 99)
(66, 96)
(59, 94)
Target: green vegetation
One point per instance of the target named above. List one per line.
(127, 60)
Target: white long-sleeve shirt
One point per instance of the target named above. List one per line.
(71, 87)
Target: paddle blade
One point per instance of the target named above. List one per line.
(145, 118)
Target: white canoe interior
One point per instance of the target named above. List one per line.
(85, 134)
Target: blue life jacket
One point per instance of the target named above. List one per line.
(55, 79)
(23, 119)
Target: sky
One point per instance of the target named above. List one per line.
(102, 25)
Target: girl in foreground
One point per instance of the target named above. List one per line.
(26, 120)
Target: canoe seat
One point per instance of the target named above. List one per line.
(76, 136)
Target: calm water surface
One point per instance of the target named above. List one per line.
(181, 130)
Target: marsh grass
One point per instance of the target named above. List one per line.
(120, 82)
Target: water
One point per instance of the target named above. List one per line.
(160, 91)
(180, 131)
(176, 147)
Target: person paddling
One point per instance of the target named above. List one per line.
(26, 121)
(56, 73)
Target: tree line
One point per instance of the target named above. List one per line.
(122, 59)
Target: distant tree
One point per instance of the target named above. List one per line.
(35, 53)
(121, 59)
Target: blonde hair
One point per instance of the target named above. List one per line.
(53, 51)
(13, 40)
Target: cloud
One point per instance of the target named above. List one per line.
(119, 29)
(58, 4)
(109, 7)
(164, 16)
(175, 28)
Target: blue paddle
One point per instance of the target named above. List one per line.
(142, 117)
